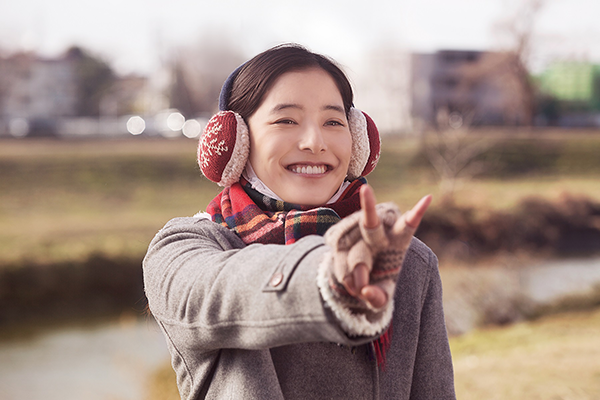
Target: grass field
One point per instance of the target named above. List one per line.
(556, 357)
(65, 200)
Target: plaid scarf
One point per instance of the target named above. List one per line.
(257, 218)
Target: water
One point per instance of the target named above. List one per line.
(507, 293)
(111, 361)
(547, 282)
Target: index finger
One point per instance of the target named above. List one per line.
(367, 204)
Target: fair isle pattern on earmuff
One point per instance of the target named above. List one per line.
(224, 147)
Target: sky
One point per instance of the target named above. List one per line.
(134, 35)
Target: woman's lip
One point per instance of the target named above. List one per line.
(307, 163)
(309, 169)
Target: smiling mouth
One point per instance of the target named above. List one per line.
(308, 169)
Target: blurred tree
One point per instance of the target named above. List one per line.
(549, 108)
(181, 92)
(4, 77)
(385, 88)
(94, 80)
(508, 69)
(519, 32)
(198, 72)
(453, 151)
(3, 81)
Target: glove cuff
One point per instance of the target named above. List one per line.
(353, 315)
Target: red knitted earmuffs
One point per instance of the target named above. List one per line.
(224, 147)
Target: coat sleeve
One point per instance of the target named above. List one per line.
(211, 291)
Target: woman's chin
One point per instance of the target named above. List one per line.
(307, 190)
(307, 199)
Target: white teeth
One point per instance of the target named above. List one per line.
(309, 169)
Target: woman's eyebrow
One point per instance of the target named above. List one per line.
(283, 106)
(334, 108)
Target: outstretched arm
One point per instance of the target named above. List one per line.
(212, 291)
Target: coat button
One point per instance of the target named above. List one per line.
(276, 279)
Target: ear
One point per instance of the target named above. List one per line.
(366, 144)
(224, 148)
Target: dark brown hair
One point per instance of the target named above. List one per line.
(257, 76)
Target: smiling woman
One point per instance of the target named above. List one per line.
(286, 286)
(300, 143)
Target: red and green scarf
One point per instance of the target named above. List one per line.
(257, 218)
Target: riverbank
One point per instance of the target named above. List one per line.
(96, 286)
(517, 289)
(61, 201)
(487, 307)
(76, 219)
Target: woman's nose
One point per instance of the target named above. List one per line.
(312, 139)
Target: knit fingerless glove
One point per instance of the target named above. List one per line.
(381, 249)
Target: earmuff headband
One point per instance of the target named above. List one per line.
(224, 147)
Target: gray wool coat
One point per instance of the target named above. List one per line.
(248, 321)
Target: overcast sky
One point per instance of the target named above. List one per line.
(131, 34)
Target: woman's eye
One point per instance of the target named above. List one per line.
(285, 122)
(334, 123)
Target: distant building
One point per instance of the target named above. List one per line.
(573, 81)
(459, 82)
(35, 88)
(41, 96)
(571, 94)
(577, 82)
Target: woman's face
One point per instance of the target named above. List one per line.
(300, 143)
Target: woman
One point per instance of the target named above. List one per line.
(285, 288)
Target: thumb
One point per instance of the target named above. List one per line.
(412, 218)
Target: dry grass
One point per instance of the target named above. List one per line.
(556, 357)
(162, 384)
(62, 200)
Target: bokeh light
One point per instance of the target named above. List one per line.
(18, 127)
(175, 121)
(136, 125)
(192, 128)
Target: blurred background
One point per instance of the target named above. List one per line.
(493, 106)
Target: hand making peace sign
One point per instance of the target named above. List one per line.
(369, 266)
